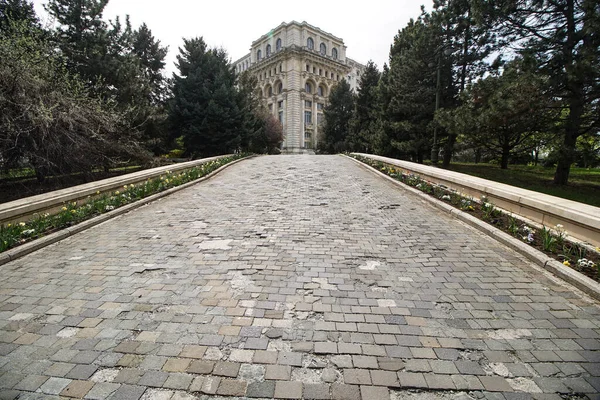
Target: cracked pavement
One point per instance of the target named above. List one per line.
(291, 277)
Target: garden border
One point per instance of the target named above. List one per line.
(30, 247)
(569, 275)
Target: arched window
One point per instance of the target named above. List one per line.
(310, 43)
(321, 91)
(334, 53)
(278, 45)
(270, 91)
(268, 50)
(323, 49)
(258, 55)
(279, 89)
(308, 87)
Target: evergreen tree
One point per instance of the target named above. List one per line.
(205, 107)
(563, 36)
(503, 113)
(337, 115)
(466, 45)
(12, 11)
(411, 89)
(363, 126)
(82, 36)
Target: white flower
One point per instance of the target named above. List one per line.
(27, 232)
(559, 226)
(108, 208)
(445, 197)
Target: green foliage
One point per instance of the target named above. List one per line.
(337, 116)
(205, 109)
(49, 117)
(363, 126)
(548, 240)
(562, 37)
(501, 113)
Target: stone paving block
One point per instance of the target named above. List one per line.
(176, 364)
(128, 392)
(384, 378)
(278, 372)
(325, 348)
(316, 391)
(178, 381)
(439, 382)
(264, 389)
(288, 390)
(82, 372)
(31, 383)
(290, 358)
(374, 393)
(54, 385)
(265, 357)
(232, 387)
(345, 392)
(225, 368)
(102, 390)
(153, 379)
(256, 343)
(495, 384)
(201, 367)
(77, 389)
(357, 376)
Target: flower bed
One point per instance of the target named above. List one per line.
(12, 235)
(552, 242)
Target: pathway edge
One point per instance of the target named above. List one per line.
(30, 247)
(569, 275)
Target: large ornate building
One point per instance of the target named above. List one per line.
(297, 65)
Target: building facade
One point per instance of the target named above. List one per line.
(297, 65)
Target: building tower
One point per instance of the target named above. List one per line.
(297, 65)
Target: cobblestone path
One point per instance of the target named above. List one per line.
(291, 277)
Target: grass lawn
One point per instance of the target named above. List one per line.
(584, 184)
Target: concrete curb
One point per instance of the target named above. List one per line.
(30, 247)
(569, 275)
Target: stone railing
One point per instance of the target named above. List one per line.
(582, 221)
(23, 209)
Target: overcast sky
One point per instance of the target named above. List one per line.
(367, 28)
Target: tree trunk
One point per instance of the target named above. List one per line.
(575, 86)
(505, 157)
(448, 150)
(477, 155)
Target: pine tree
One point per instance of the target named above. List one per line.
(411, 89)
(337, 115)
(363, 124)
(12, 11)
(205, 107)
(563, 36)
(505, 113)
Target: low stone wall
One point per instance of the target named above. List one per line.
(23, 209)
(582, 221)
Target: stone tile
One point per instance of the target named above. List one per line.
(264, 389)
(128, 392)
(77, 389)
(278, 372)
(288, 390)
(314, 391)
(374, 393)
(345, 392)
(225, 368)
(231, 387)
